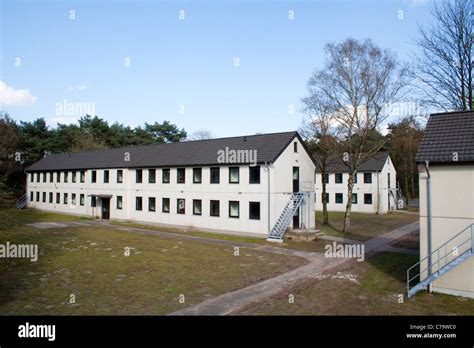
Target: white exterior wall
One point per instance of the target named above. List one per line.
(244, 192)
(283, 183)
(379, 188)
(452, 207)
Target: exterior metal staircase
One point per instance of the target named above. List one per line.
(22, 201)
(450, 254)
(290, 209)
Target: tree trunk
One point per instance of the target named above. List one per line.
(324, 199)
(347, 215)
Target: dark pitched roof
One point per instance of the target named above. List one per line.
(374, 164)
(446, 134)
(189, 153)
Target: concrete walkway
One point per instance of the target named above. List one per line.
(232, 301)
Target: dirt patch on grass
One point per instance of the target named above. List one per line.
(368, 288)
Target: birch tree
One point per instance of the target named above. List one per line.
(359, 82)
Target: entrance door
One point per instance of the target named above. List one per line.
(296, 220)
(105, 208)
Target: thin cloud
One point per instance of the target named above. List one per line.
(77, 88)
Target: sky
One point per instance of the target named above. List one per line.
(230, 67)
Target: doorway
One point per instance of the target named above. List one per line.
(105, 208)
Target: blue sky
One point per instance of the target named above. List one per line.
(183, 70)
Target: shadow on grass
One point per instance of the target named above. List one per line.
(391, 264)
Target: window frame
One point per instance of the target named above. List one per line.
(238, 209)
(197, 170)
(250, 210)
(215, 169)
(200, 206)
(230, 175)
(258, 169)
(214, 201)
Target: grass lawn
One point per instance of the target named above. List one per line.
(89, 262)
(364, 226)
(11, 218)
(361, 288)
(313, 246)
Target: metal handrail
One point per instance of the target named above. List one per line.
(437, 250)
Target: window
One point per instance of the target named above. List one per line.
(58, 198)
(254, 210)
(355, 178)
(165, 176)
(73, 174)
(37, 177)
(339, 198)
(151, 176)
(197, 207)
(31, 196)
(254, 175)
(94, 176)
(119, 202)
(181, 175)
(81, 199)
(37, 196)
(93, 201)
(50, 197)
(214, 208)
(138, 176)
(138, 203)
(44, 177)
(65, 198)
(32, 177)
(338, 178)
(44, 197)
(367, 198)
(151, 204)
(119, 176)
(215, 175)
(58, 177)
(197, 176)
(295, 146)
(51, 177)
(233, 175)
(73, 199)
(82, 176)
(367, 178)
(234, 209)
(165, 205)
(326, 178)
(180, 206)
(354, 198)
(106, 176)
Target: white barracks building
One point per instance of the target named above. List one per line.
(374, 191)
(256, 185)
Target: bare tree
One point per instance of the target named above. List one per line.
(201, 135)
(444, 64)
(359, 82)
(318, 131)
